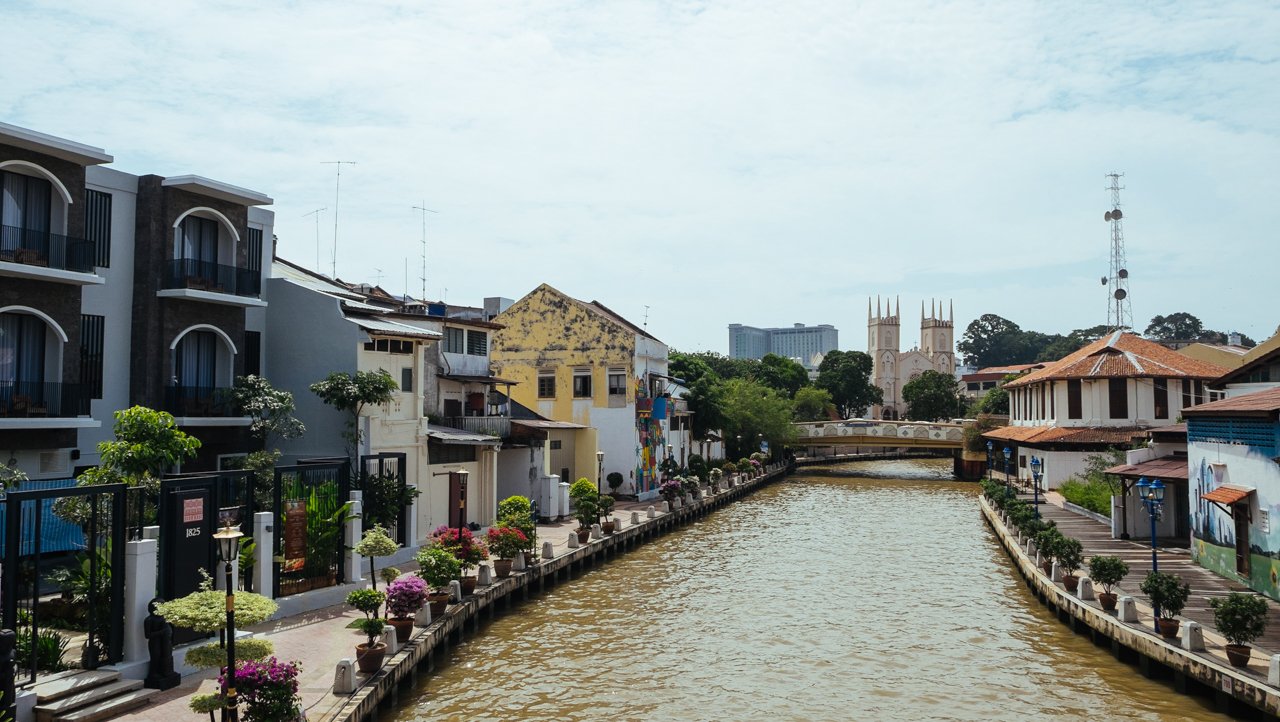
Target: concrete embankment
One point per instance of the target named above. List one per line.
(418, 655)
(1192, 672)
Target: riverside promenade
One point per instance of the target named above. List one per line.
(1204, 671)
(320, 638)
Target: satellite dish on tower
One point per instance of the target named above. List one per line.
(1106, 216)
(1124, 273)
(1104, 280)
(1116, 215)
(1120, 294)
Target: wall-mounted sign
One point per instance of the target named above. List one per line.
(192, 510)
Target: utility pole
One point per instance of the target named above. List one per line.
(1119, 310)
(316, 213)
(425, 211)
(337, 189)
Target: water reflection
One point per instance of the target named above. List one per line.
(876, 594)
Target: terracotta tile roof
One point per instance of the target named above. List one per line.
(1067, 434)
(1227, 494)
(1166, 467)
(1122, 355)
(1259, 403)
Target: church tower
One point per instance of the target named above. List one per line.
(937, 337)
(883, 338)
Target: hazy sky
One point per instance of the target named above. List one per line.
(754, 162)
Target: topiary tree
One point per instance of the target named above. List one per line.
(438, 566)
(1241, 618)
(205, 611)
(1107, 571)
(375, 543)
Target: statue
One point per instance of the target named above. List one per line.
(159, 634)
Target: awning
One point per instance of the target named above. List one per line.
(448, 435)
(476, 379)
(1166, 467)
(1227, 494)
(391, 328)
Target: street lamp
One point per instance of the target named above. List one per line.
(1036, 466)
(599, 469)
(1007, 453)
(1152, 494)
(228, 538)
(462, 501)
(990, 457)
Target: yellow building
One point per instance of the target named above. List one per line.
(580, 362)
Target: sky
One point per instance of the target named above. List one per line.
(698, 164)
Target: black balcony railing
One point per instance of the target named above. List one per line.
(38, 399)
(208, 276)
(199, 401)
(50, 250)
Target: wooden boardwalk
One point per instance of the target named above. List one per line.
(1096, 538)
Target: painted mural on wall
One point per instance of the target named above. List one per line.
(1213, 530)
(649, 439)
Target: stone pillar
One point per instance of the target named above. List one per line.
(549, 550)
(573, 540)
(1127, 609)
(651, 512)
(1192, 636)
(389, 638)
(455, 591)
(1056, 573)
(666, 507)
(139, 589)
(1084, 589)
(635, 517)
(596, 532)
(484, 576)
(264, 541)
(423, 617)
(517, 562)
(344, 677)
(354, 562)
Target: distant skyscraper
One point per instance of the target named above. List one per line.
(805, 344)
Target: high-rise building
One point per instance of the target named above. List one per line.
(805, 344)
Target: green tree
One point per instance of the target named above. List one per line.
(270, 408)
(705, 391)
(931, 396)
(995, 401)
(782, 374)
(724, 367)
(1180, 326)
(753, 411)
(847, 376)
(991, 340)
(812, 404)
(351, 393)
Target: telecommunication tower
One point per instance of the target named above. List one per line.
(1119, 312)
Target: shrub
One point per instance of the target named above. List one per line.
(375, 543)
(1047, 542)
(615, 481)
(1092, 495)
(605, 504)
(438, 566)
(1168, 592)
(268, 689)
(729, 467)
(517, 512)
(582, 489)
(372, 628)
(205, 611)
(368, 601)
(1241, 618)
(214, 656)
(697, 466)
(1107, 571)
(505, 541)
(469, 550)
(1070, 555)
(405, 596)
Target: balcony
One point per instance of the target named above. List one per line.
(44, 405)
(202, 402)
(499, 426)
(204, 280)
(46, 256)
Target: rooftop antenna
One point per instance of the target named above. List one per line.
(1119, 311)
(337, 187)
(317, 213)
(406, 281)
(377, 276)
(646, 318)
(425, 211)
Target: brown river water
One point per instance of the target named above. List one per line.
(866, 591)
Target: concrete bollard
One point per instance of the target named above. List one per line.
(517, 562)
(635, 517)
(1019, 538)
(455, 591)
(617, 523)
(390, 639)
(1084, 589)
(1127, 609)
(1273, 671)
(1056, 574)
(264, 541)
(1192, 636)
(651, 512)
(344, 677)
(596, 531)
(484, 577)
(549, 551)
(1037, 559)
(423, 617)
(677, 504)
(573, 540)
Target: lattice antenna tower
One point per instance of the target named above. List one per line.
(337, 190)
(423, 278)
(1119, 311)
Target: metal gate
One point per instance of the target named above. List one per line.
(388, 465)
(311, 511)
(96, 574)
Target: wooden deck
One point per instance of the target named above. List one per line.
(1096, 538)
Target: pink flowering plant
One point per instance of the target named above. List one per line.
(469, 550)
(268, 689)
(670, 489)
(406, 595)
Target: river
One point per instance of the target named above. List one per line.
(866, 591)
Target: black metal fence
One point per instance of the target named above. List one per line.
(384, 483)
(311, 510)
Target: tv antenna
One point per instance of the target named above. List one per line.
(337, 188)
(425, 211)
(377, 276)
(317, 213)
(1119, 310)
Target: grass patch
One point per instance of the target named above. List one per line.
(1093, 495)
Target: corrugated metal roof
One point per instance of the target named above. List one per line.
(546, 424)
(449, 435)
(1166, 467)
(391, 328)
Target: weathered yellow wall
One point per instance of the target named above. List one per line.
(548, 330)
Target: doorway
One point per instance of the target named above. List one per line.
(1240, 513)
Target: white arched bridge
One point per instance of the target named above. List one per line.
(883, 434)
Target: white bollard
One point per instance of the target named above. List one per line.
(390, 639)
(354, 562)
(517, 562)
(455, 591)
(1056, 574)
(1084, 589)
(635, 517)
(1019, 538)
(484, 577)
(1037, 559)
(678, 504)
(423, 617)
(1273, 671)
(651, 512)
(1192, 636)
(1127, 609)
(344, 677)
(549, 551)
(264, 542)
(140, 571)
(596, 532)
(573, 540)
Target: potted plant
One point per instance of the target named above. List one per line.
(1169, 594)
(1047, 542)
(605, 502)
(586, 507)
(1241, 618)
(504, 543)
(670, 490)
(689, 486)
(1070, 555)
(715, 476)
(615, 482)
(468, 549)
(369, 655)
(438, 566)
(375, 543)
(268, 690)
(517, 513)
(405, 596)
(1107, 571)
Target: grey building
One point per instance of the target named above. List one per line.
(805, 344)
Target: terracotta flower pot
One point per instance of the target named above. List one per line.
(1238, 654)
(1071, 582)
(502, 567)
(468, 585)
(404, 628)
(369, 659)
(584, 536)
(439, 602)
(1108, 601)
(1168, 628)
(608, 527)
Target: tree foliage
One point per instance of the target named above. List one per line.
(992, 340)
(782, 374)
(752, 411)
(846, 375)
(705, 390)
(270, 408)
(931, 396)
(351, 393)
(1182, 326)
(812, 404)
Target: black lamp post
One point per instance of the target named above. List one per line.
(599, 469)
(990, 457)
(1152, 494)
(462, 501)
(1007, 453)
(229, 547)
(1036, 466)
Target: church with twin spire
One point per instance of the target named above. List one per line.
(892, 368)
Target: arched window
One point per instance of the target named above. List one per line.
(204, 251)
(30, 365)
(203, 363)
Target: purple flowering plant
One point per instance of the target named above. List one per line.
(406, 595)
(268, 688)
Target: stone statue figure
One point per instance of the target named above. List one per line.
(159, 634)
